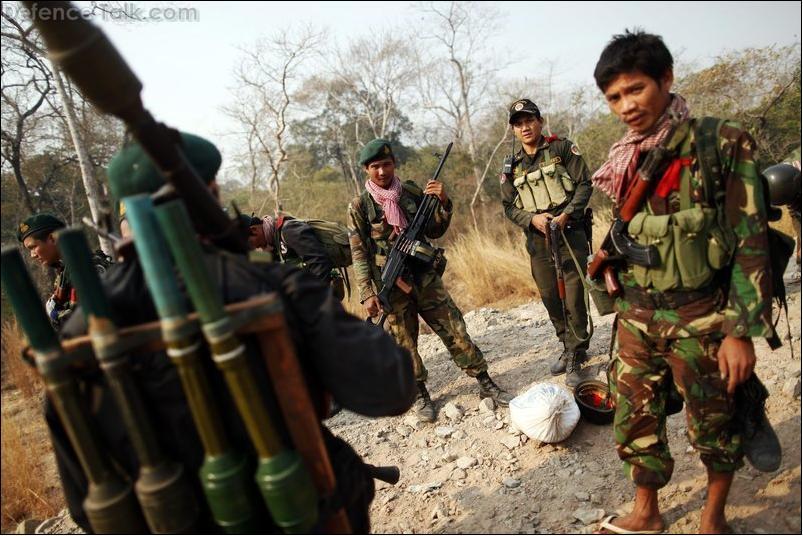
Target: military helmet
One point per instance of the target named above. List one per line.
(783, 181)
(595, 402)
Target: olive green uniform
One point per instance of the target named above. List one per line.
(559, 159)
(371, 241)
(713, 281)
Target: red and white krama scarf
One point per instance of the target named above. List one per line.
(615, 176)
(389, 200)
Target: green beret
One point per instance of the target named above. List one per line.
(131, 171)
(375, 150)
(36, 223)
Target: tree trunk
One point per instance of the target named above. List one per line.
(93, 193)
(480, 182)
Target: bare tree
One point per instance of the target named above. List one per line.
(267, 79)
(27, 40)
(26, 83)
(454, 84)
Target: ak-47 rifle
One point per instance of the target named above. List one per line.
(411, 244)
(618, 245)
(83, 51)
(553, 244)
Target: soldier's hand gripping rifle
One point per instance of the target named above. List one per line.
(164, 492)
(229, 490)
(285, 482)
(87, 56)
(411, 244)
(618, 244)
(110, 505)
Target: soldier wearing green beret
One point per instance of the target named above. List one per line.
(37, 235)
(132, 171)
(377, 217)
(548, 181)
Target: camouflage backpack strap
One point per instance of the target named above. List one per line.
(367, 205)
(706, 134)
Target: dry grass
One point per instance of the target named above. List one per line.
(486, 269)
(16, 373)
(27, 487)
(24, 487)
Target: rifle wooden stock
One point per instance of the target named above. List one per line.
(635, 200)
(299, 413)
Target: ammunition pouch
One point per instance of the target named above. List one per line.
(544, 189)
(691, 246)
(604, 303)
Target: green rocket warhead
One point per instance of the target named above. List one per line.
(110, 505)
(282, 478)
(167, 500)
(229, 491)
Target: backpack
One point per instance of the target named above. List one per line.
(333, 236)
(781, 247)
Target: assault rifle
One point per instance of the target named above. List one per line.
(618, 245)
(411, 244)
(553, 244)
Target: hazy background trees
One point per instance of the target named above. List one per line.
(303, 104)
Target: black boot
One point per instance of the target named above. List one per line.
(488, 389)
(559, 367)
(574, 368)
(423, 404)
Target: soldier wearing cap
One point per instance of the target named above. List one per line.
(549, 181)
(37, 235)
(377, 217)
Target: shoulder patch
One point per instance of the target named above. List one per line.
(575, 150)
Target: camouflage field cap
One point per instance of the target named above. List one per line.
(36, 223)
(375, 150)
(522, 106)
(131, 171)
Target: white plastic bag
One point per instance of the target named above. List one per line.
(546, 412)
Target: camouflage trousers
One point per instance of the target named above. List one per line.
(430, 299)
(546, 279)
(639, 383)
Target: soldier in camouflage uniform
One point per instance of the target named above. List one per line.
(693, 316)
(37, 235)
(550, 182)
(375, 225)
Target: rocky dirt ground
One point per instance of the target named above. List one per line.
(471, 472)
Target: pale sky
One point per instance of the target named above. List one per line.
(186, 67)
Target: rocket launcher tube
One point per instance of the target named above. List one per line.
(229, 491)
(282, 478)
(164, 493)
(110, 504)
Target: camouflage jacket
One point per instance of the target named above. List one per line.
(372, 237)
(64, 299)
(570, 158)
(746, 305)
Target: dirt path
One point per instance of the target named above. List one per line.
(458, 476)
